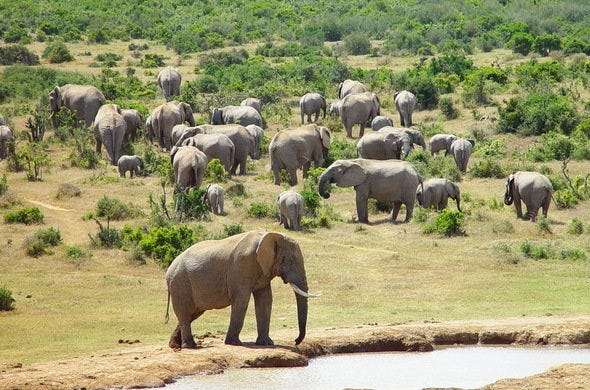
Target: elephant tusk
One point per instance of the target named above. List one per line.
(303, 293)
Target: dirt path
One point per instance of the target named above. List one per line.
(155, 365)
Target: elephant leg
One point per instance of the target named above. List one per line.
(546, 203)
(238, 313)
(401, 120)
(362, 202)
(362, 130)
(186, 335)
(98, 147)
(517, 205)
(263, 306)
(277, 176)
(395, 210)
(243, 165)
(409, 211)
(305, 169)
(293, 176)
(175, 339)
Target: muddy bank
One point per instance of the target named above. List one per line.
(156, 365)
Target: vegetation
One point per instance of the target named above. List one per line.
(27, 215)
(6, 299)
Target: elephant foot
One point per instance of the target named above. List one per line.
(264, 341)
(233, 341)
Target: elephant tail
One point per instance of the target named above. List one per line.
(167, 316)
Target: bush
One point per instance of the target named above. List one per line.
(215, 172)
(6, 299)
(340, 149)
(543, 225)
(66, 190)
(357, 44)
(28, 216)
(232, 229)
(3, 185)
(57, 52)
(261, 210)
(487, 168)
(152, 61)
(446, 106)
(311, 202)
(50, 237)
(191, 204)
(572, 254)
(115, 209)
(447, 222)
(17, 54)
(106, 237)
(521, 43)
(534, 251)
(73, 252)
(502, 227)
(575, 227)
(163, 244)
(565, 198)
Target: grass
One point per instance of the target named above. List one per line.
(377, 273)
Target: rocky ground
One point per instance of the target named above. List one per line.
(135, 365)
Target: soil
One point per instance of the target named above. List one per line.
(137, 366)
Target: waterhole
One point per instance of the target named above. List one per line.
(465, 367)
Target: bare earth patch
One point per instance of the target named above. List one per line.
(155, 365)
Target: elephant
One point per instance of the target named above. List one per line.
(84, 100)
(134, 122)
(6, 141)
(533, 188)
(215, 274)
(166, 116)
(244, 115)
(388, 180)
(291, 209)
(244, 143)
(216, 145)
(149, 129)
(350, 87)
(382, 145)
(214, 198)
(132, 164)
(440, 142)
(252, 102)
(461, 149)
(189, 165)
(169, 80)
(258, 133)
(405, 102)
(436, 192)
(312, 103)
(381, 121)
(298, 148)
(109, 129)
(409, 137)
(359, 109)
(335, 108)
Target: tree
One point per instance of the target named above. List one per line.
(521, 43)
(545, 43)
(357, 44)
(57, 52)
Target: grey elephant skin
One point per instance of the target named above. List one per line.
(381, 121)
(109, 129)
(169, 80)
(132, 164)
(134, 122)
(244, 143)
(252, 102)
(335, 108)
(298, 148)
(244, 115)
(83, 100)
(165, 117)
(258, 133)
(440, 142)
(214, 194)
(532, 188)
(312, 104)
(388, 180)
(461, 150)
(216, 145)
(350, 87)
(189, 165)
(6, 139)
(359, 109)
(291, 209)
(382, 145)
(219, 273)
(436, 193)
(405, 102)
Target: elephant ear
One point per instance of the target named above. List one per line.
(452, 189)
(266, 252)
(352, 175)
(57, 93)
(325, 136)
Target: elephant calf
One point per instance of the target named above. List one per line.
(533, 188)
(290, 209)
(132, 164)
(436, 192)
(214, 198)
(461, 150)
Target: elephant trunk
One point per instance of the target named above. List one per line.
(508, 199)
(458, 200)
(323, 184)
(301, 312)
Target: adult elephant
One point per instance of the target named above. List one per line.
(258, 133)
(149, 129)
(134, 122)
(440, 142)
(383, 146)
(359, 109)
(415, 137)
(461, 150)
(218, 273)
(244, 115)
(350, 87)
(388, 180)
(166, 116)
(405, 102)
(532, 188)
(189, 165)
(133, 164)
(169, 80)
(83, 100)
(381, 121)
(217, 146)
(291, 210)
(252, 102)
(436, 192)
(109, 129)
(312, 104)
(244, 143)
(6, 140)
(298, 148)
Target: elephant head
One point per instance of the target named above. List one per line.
(217, 117)
(325, 136)
(187, 113)
(343, 173)
(454, 193)
(188, 133)
(55, 102)
(509, 193)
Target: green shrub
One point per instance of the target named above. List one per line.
(565, 198)
(447, 222)
(17, 54)
(215, 172)
(74, 252)
(495, 149)
(261, 210)
(572, 254)
(543, 225)
(66, 190)
(35, 248)
(535, 251)
(50, 237)
(487, 168)
(446, 106)
(575, 226)
(6, 299)
(57, 52)
(106, 237)
(191, 204)
(311, 202)
(163, 244)
(357, 44)
(232, 229)
(152, 61)
(114, 209)
(502, 227)
(340, 149)
(3, 185)
(28, 216)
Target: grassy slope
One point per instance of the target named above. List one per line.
(380, 273)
